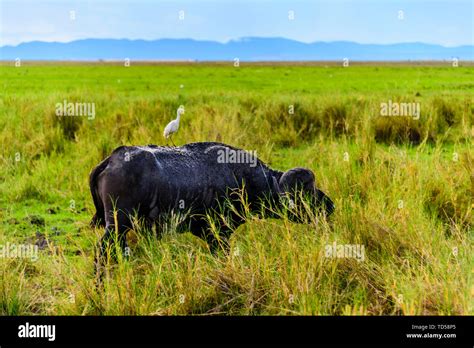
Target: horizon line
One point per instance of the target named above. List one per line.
(239, 39)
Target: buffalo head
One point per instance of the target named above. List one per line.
(298, 184)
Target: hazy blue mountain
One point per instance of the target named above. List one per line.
(246, 49)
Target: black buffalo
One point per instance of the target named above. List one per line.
(151, 181)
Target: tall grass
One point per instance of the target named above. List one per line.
(403, 188)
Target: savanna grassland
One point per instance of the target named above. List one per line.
(402, 186)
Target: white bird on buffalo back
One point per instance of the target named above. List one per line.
(173, 126)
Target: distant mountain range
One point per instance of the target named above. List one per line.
(246, 49)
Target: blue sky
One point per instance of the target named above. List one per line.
(445, 22)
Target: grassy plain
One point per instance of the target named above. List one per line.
(403, 188)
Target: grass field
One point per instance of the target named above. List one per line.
(402, 186)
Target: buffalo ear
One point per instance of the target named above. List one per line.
(276, 186)
(286, 181)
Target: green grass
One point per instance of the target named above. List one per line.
(403, 188)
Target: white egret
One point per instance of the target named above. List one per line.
(173, 126)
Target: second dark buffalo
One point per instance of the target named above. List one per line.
(196, 179)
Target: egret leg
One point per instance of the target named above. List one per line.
(172, 141)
